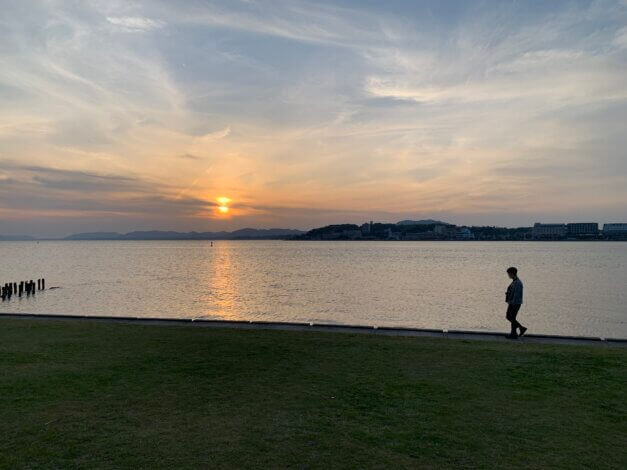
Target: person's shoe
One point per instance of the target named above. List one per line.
(523, 330)
(511, 336)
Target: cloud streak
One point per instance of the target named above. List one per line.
(493, 110)
(134, 24)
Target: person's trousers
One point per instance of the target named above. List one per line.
(512, 311)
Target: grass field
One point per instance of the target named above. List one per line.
(102, 395)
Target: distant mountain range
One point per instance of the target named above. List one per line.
(243, 234)
(14, 238)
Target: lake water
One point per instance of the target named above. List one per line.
(570, 288)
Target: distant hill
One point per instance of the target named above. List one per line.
(421, 222)
(242, 234)
(15, 238)
(94, 236)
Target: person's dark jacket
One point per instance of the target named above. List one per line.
(514, 294)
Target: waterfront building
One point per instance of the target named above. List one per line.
(391, 235)
(585, 229)
(549, 231)
(617, 230)
(464, 233)
(429, 235)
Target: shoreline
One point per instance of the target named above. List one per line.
(36, 240)
(326, 327)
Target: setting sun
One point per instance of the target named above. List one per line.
(223, 200)
(223, 208)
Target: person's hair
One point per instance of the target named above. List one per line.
(512, 270)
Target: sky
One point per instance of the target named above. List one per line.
(139, 115)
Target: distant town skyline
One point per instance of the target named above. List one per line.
(347, 230)
(221, 115)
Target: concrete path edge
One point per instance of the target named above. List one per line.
(326, 327)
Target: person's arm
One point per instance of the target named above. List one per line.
(516, 297)
(520, 288)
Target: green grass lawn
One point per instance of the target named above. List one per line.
(101, 395)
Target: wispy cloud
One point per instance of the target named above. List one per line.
(620, 38)
(78, 194)
(189, 156)
(332, 108)
(135, 24)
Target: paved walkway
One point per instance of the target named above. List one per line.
(389, 331)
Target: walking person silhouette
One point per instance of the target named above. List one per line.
(514, 299)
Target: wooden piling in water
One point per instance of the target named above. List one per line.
(8, 289)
